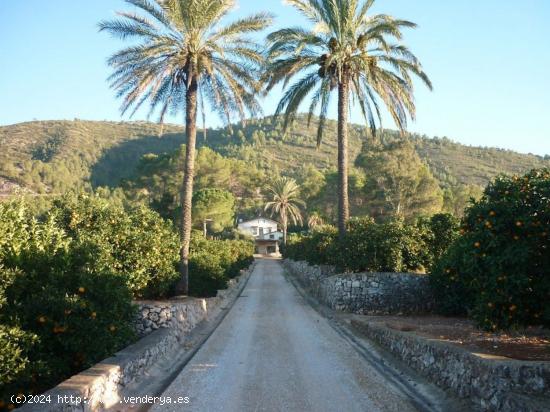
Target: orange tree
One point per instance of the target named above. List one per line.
(498, 271)
(60, 311)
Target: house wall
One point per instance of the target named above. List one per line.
(252, 226)
(269, 249)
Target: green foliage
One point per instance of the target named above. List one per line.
(135, 243)
(51, 157)
(458, 197)
(214, 205)
(498, 271)
(158, 179)
(51, 147)
(391, 246)
(314, 247)
(53, 299)
(398, 182)
(96, 154)
(14, 359)
(68, 278)
(213, 262)
(285, 203)
(206, 274)
(439, 232)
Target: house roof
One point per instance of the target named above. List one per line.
(257, 218)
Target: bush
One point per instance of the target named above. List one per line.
(206, 274)
(498, 271)
(213, 262)
(59, 311)
(14, 359)
(438, 232)
(136, 244)
(392, 246)
(313, 247)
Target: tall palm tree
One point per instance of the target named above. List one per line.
(184, 56)
(350, 51)
(285, 202)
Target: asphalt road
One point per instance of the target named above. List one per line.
(273, 352)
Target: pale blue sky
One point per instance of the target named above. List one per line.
(488, 59)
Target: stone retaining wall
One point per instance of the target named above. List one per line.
(365, 293)
(182, 315)
(163, 326)
(490, 382)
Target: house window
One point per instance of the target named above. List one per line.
(272, 236)
(254, 230)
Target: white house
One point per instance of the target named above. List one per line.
(265, 233)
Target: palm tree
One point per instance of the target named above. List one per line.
(183, 57)
(285, 202)
(314, 220)
(351, 51)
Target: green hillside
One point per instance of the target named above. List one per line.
(53, 156)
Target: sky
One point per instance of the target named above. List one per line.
(489, 61)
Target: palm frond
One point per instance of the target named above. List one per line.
(180, 40)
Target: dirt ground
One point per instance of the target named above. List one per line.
(531, 343)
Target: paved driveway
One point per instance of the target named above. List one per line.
(273, 352)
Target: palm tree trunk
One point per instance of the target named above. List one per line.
(182, 288)
(285, 225)
(343, 201)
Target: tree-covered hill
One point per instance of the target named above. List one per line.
(53, 156)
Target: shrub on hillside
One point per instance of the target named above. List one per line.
(59, 311)
(498, 271)
(136, 244)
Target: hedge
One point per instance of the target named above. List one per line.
(59, 312)
(393, 246)
(67, 280)
(213, 262)
(135, 243)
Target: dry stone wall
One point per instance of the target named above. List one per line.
(491, 384)
(181, 316)
(365, 293)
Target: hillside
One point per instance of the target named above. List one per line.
(52, 156)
